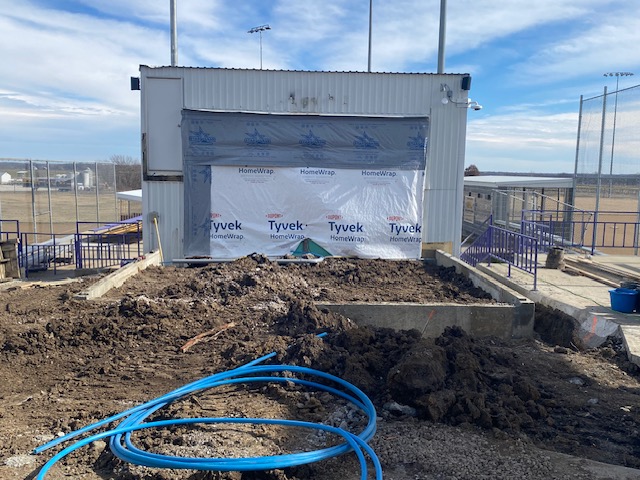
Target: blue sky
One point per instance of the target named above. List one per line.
(66, 64)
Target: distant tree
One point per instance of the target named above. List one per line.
(124, 160)
(471, 171)
(128, 172)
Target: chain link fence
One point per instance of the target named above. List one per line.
(608, 150)
(49, 198)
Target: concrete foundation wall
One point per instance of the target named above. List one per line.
(512, 318)
(524, 309)
(431, 320)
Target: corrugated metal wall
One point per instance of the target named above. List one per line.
(348, 93)
(163, 200)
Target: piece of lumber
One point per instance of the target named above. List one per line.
(208, 335)
(598, 278)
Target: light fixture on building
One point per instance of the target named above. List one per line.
(448, 98)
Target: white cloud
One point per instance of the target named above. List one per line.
(73, 69)
(602, 48)
(73, 63)
(521, 141)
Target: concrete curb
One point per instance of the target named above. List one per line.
(631, 339)
(117, 278)
(593, 326)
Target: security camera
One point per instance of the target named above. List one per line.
(476, 107)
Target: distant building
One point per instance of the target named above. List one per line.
(5, 178)
(505, 197)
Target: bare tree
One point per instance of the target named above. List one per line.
(124, 160)
(128, 172)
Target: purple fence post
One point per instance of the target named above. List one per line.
(55, 263)
(535, 264)
(78, 247)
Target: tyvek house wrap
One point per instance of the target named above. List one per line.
(267, 182)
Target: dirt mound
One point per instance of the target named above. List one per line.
(66, 363)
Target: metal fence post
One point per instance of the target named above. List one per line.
(535, 265)
(78, 250)
(599, 180)
(97, 181)
(33, 201)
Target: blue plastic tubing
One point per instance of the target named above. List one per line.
(122, 446)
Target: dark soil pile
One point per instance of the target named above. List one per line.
(67, 363)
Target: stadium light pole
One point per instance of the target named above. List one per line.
(615, 114)
(442, 35)
(370, 34)
(173, 14)
(259, 29)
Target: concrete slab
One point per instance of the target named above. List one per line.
(631, 339)
(585, 299)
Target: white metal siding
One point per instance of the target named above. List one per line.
(165, 121)
(348, 93)
(166, 200)
(310, 92)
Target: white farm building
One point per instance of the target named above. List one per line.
(279, 162)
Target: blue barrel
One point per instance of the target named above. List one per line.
(623, 299)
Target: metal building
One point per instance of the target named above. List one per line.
(166, 92)
(507, 196)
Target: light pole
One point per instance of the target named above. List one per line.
(259, 29)
(615, 114)
(442, 35)
(370, 32)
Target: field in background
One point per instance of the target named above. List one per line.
(50, 197)
(624, 223)
(60, 214)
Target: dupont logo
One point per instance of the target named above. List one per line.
(200, 137)
(366, 142)
(256, 139)
(334, 216)
(274, 215)
(417, 143)
(215, 215)
(312, 140)
(395, 218)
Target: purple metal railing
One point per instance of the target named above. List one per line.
(9, 229)
(102, 247)
(479, 250)
(95, 248)
(587, 230)
(34, 257)
(505, 246)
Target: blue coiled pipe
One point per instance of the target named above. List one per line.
(251, 372)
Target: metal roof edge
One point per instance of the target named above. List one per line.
(299, 71)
